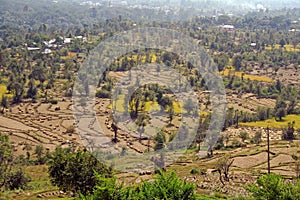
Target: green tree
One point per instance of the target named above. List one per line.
(278, 86)
(106, 188)
(74, 171)
(282, 43)
(222, 61)
(244, 135)
(142, 121)
(5, 159)
(160, 140)
(237, 62)
(39, 151)
(288, 133)
(280, 108)
(4, 102)
(17, 87)
(171, 113)
(17, 180)
(165, 101)
(257, 138)
(39, 73)
(32, 90)
(10, 176)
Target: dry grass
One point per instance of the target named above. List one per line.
(70, 55)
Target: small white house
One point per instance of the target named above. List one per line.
(67, 40)
(33, 48)
(47, 51)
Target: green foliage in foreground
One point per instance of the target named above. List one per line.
(11, 176)
(75, 171)
(274, 187)
(164, 187)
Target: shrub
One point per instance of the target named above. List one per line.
(103, 94)
(54, 101)
(160, 140)
(124, 151)
(165, 186)
(220, 143)
(256, 138)
(273, 187)
(70, 129)
(17, 180)
(244, 135)
(194, 171)
(236, 143)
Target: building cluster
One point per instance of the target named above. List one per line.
(52, 44)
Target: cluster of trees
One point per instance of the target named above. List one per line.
(286, 103)
(11, 175)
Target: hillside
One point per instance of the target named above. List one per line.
(131, 88)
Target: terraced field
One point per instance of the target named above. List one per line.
(31, 124)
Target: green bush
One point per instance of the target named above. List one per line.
(17, 180)
(54, 101)
(165, 186)
(75, 171)
(236, 143)
(11, 177)
(103, 94)
(194, 171)
(256, 138)
(244, 135)
(274, 187)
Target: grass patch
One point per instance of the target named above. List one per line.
(40, 183)
(272, 123)
(226, 72)
(39, 177)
